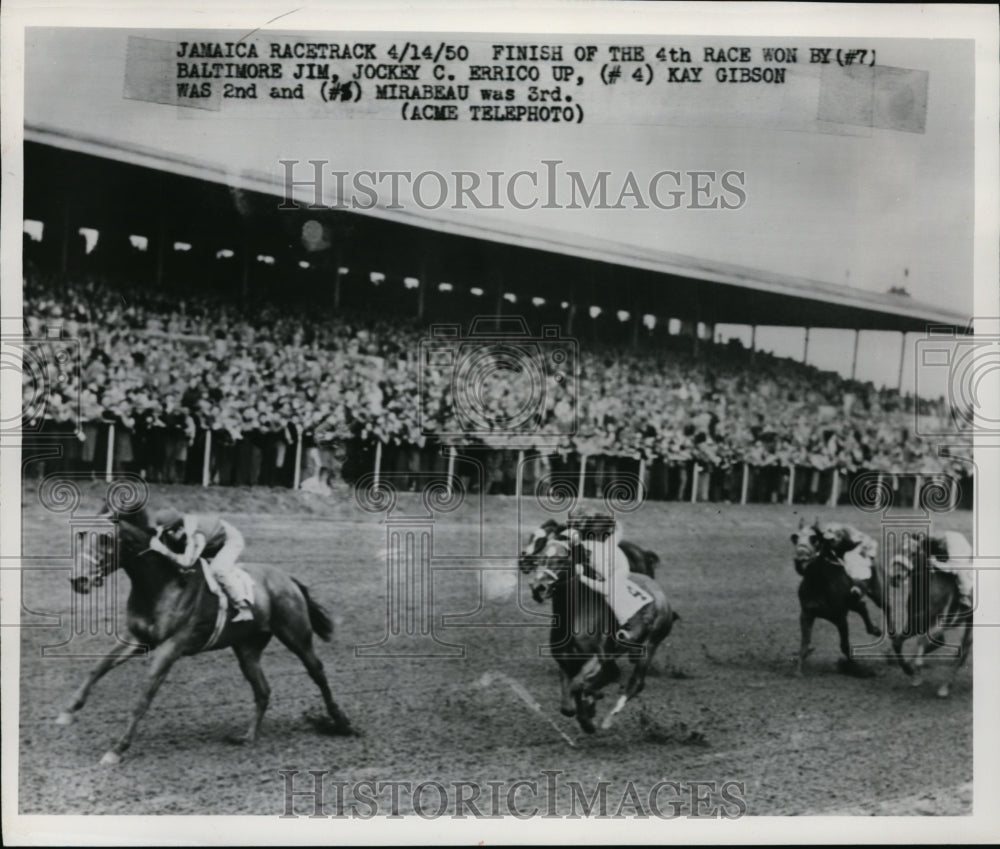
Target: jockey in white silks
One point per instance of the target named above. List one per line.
(610, 566)
(856, 550)
(950, 552)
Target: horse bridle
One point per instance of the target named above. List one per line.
(551, 542)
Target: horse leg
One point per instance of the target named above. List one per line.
(248, 654)
(806, 621)
(858, 606)
(567, 707)
(636, 684)
(162, 658)
(963, 656)
(583, 697)
(303, 650)
(117, 656)
(851, 666)
(897, 655)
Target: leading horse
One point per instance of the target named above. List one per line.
(582, 637)
(172, 614)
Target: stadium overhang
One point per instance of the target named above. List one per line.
(153, 191)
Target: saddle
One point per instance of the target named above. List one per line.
(246, 585)
(636, 599)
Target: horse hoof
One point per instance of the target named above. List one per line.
(916, 681)
(64, 718)
(567, 711)
(606, 722)
(111, 759)
(585, 723)
(944, 691)
(240, 739)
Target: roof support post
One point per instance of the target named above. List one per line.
(854, 358)
(161, 248)
(422, 288)
(339, 258)
(499, 302)
(64, 264)
(805, 348)
(902, 357)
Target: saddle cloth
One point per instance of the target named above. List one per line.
(636, 598)
(246, 585)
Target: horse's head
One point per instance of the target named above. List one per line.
(806, 541)
(552, 566)
(100, 551)
(536, 543)
(899, 570)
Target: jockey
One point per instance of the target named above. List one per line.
(609, 563)
(951, 553)
(186, 537)
(856, 550)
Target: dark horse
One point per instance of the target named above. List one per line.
(582, 635)
(826, 592)
(173, 614)
(921, 601)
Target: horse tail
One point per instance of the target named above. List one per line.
(320, 620)
(652, 562)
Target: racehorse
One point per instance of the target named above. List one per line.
(920, 601)
(173, 614)
(825, 592)
(583, 627)
(640, 560)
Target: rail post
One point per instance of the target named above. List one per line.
(451, 468)
(297, 474)
(109, 464)
(206, 460)
(918, 484)
(745, 486)
(518, 475)
(694, 482)
(378, 462)
(583, 471)
(834, 488)
(791, 484)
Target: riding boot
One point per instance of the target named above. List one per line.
(243, 611)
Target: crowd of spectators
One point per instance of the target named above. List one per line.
(154, 363)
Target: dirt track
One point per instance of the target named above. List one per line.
(723, 704)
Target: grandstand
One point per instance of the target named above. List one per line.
(226, 341)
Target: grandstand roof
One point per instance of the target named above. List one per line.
(112, 185)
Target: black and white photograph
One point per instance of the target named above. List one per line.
(570, 422)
